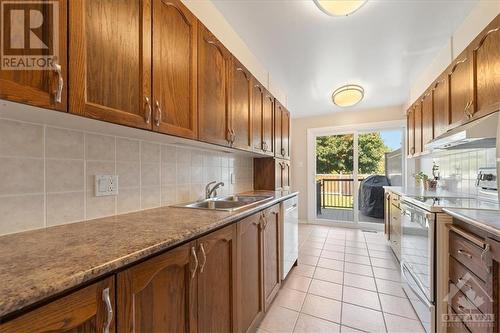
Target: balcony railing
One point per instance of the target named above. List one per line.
(335, 192)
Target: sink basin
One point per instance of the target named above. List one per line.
(229, 203)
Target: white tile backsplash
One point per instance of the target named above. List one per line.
(47, 174)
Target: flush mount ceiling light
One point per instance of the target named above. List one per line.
(339, 7)
(348, 95)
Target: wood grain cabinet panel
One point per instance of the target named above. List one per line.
(87, 310)
(460, 88)
(285, 134)
(250, 278)
(278, 128)
(217, 281)
(40, 87)
(441, 106)
(258, 93)
(240, 106)
(268, 124)
(271, 235)
(410, 131)
(110, 60)
(213, 70)
(174, 69)
(427, 118)
(159, 295)
(417, 111)
(486, 53)
(285, 175)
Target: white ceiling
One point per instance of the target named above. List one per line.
(384, 46)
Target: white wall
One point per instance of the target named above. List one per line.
(476, 21)
(213, 19)
(299, 135)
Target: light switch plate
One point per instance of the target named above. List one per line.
(106, 185)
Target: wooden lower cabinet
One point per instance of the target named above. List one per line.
(272, 269)
(87, 310)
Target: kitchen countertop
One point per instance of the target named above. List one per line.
(419, 192)
(487, 220)
(39, 264)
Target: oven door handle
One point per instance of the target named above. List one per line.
(408, 275)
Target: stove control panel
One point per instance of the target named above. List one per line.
(487, 179)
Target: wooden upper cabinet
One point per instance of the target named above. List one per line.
(271, 234)
(213, 64)
(268, 123)
(410, 128)
(278, 128)
(427, 118)
(258, 93)
(110, 60)
(240, 122)
(87, 310)
(250, 301)
(460, 88)
(440, 104)
(417, 110)
(486, 54)
(43, 88)
(217, 281)
(285, 133)
(174, 69)
(159, 295)
(285, 175)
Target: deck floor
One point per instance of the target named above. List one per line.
(345, 215)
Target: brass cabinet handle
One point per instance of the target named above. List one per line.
(467, 109)
(486, 257)
(109, 310)
(158, 114)
(462, 282)
(264, 145)
(149, 110)
(283, 152)
(233, 138)
(195, 257)
(464, 253)
(60, 83)
(202, 266)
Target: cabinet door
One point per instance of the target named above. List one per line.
(271, 231)
(278, 130)
(441, 106)
(87, 310)
(410, 128)
(39, 87)
(106, 82)
(285, 178)
(460, 85)
(268, 124)
(159, 295)
(285, 136)
(241, 106)
(217, 281)
(278, 174)
(486, 71)
(250, 285)
(213, 62)
(174, 69)
(417, 110)
(427, 119)
(258, 93)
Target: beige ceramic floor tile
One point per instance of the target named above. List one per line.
(308, 260)
(309, 324)
(317, 245)
(359, 281)
(290, 299)
(279, 319)
(326, 289)
(384, 263)
(397, 305)
(358, 269)
(310, 251)
(322, 307)
(332, 255)
(304, 270)
(356, 250)
(361, 297)
(363, 260)
(390, 287)
(396, 324)
(334, 247)
(381, 254)
(387, 274)
(297, 282)
(329, 275)
(359, 245)
(346, 329)
(362, 318)
(331, 264)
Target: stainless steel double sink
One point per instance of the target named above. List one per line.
(228, 203)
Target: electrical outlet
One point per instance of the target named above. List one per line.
(106, 185)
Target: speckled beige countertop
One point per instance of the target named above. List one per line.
(36, 265)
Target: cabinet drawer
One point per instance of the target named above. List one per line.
(468, 254)
(461, 275)
(469, 313)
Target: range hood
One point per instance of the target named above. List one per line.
(480, 133)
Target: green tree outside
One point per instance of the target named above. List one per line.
(334, 154)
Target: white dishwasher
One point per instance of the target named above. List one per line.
(289, 235)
